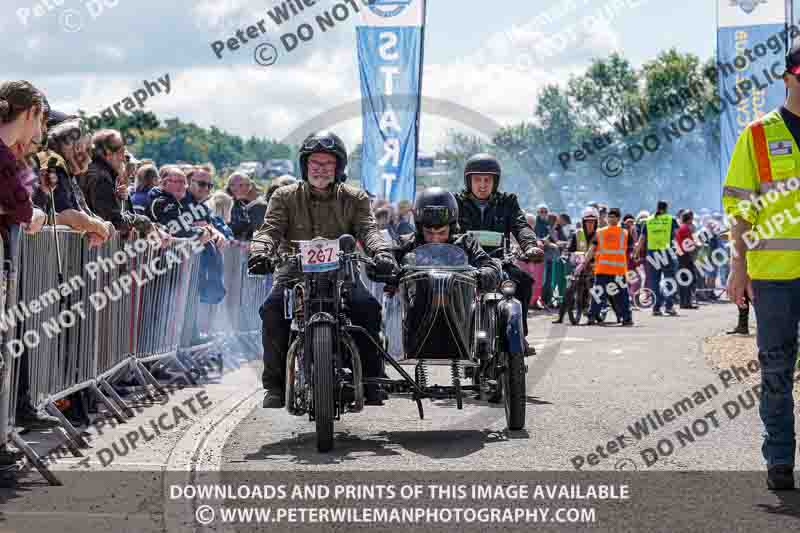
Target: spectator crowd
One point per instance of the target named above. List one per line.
(54, 170)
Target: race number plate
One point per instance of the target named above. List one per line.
(492, 239)
(319, 255)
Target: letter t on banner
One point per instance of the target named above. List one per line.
(390, 39)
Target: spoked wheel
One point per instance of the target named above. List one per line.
(358, 377)
(577, 307)
(324, 393)
(296, 387)
(513, 383)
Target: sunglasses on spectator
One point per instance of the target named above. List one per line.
(203, 184)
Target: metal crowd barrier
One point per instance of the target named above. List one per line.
(237, 312)
(104, 322)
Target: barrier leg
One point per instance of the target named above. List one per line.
(73, 433)
(110, 405)
(182, 367)
(5, 402)
(127, 411)
(137, 367)
(70, 444)
(150, 379)
(35, 460)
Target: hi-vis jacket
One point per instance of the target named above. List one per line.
(762, 188)
(582, 242)
(612, 242)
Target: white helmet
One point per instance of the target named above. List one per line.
(590, 212)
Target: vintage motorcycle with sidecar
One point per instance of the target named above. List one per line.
(446, 321)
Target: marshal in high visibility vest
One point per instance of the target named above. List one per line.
(610, 269)
(761, 195)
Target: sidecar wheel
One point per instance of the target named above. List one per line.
(513, 381)
(324, 401)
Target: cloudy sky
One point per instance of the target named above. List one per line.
(489, 57)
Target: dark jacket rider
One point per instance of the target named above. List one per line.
(319, 206)
(483, 208)
(436, 216)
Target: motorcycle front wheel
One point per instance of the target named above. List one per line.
(513, 383)
(324, 385)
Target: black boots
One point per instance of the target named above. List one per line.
(742, 326)
(274, 399)
(780, 477)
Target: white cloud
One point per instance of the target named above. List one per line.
(500, 79)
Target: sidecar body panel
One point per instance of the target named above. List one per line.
(437, 295)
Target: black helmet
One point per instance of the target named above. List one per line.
(482, 164)
(327, 143)
(436, 207)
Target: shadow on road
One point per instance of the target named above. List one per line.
(789, 504)
(348, 447)
(470, 400)
(15, 485)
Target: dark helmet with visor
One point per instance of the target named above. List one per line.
(482, 164)
(436, 207)
(324, 142)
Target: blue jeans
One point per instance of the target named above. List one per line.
(777, 307)
(654, 278)
(620, 297)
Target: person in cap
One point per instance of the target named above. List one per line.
(761, 196)
(67, 143)
(482, 207)
(609, 250)
(656, 237)
(579, 244)
(321, 205)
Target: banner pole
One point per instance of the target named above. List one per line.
(419, 93)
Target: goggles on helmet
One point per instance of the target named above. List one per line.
(325, 142)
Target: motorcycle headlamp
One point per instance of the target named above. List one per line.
(434, 216)
(508, 288)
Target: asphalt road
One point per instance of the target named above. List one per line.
(586, 386)
(587, 389)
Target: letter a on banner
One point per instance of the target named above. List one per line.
(746, 24)
(390, 39)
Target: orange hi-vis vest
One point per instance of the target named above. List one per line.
(612, 241)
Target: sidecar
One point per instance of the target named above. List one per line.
(447, 321)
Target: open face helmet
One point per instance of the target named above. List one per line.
(324, 142)
(482, 164)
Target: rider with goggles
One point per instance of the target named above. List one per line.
(321, 205)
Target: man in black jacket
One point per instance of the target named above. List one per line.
(104, 191)
(482, 207)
